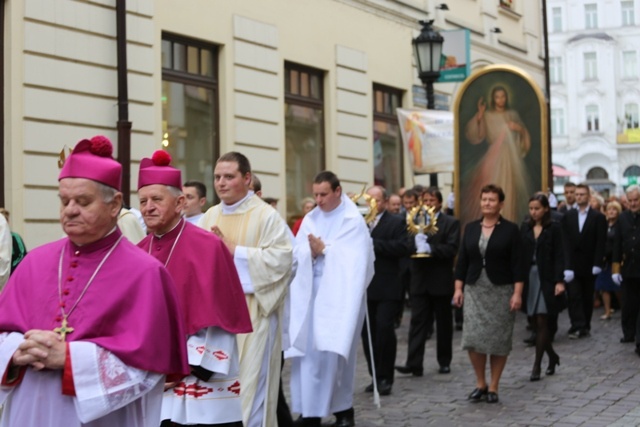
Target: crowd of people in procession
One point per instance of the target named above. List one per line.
(172, 316)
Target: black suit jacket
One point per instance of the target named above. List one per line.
(390, 244)
(502, 259)
(434, 275)
(626, 245)
(549, 252)
(585, 249)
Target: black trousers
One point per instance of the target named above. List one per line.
(382, 315)
(580, 292)
(283, 413)
(630, 316)
(421, 306)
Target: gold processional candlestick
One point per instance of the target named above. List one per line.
(371, 210)
(422, 220)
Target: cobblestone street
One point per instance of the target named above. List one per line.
(596, 385)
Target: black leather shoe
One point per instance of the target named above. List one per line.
(307, 422)
(478, 394)
(626, 340)
(492, 397)
(369, 388)
(444, 370)
(416, 372)
(384, 388)
(553, 362)
(345, 418)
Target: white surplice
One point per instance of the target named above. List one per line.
(216, 401)
(326, 309)
(108, 392)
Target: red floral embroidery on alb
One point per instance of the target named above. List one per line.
(194, 390)
(220, 355)
(234, 388)
(200, 349)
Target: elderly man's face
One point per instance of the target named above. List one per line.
(160, 209)
(84, 215)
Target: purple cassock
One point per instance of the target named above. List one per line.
(208, 286)
(130, 308)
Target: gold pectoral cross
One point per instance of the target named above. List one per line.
(64, 329)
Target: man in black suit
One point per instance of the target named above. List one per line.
(431, 289)
(626, 266)
(384, 295)
(584, 235)
(569, 198)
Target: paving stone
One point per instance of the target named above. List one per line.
(596, 385)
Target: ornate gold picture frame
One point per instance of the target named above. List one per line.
(500, 138)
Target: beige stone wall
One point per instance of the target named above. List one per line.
(62, 80)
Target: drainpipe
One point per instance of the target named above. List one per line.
(2, 117)
(547, 87)
(124, 125)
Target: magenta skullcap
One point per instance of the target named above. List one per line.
(91, 159)
(157, 170)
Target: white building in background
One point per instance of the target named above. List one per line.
(595, 90)
(296, 85)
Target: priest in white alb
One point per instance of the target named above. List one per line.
(89, 324)
(258, 239)
(210, 295)
(334, 255)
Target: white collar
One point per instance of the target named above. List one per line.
(229, 209)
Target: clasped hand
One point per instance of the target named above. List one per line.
(316, 244)
(40, 349)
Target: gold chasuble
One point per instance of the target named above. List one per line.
(258, 227)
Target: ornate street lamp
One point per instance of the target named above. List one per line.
(427, 48)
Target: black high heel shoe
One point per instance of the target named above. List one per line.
(553, 362)
(535, 374)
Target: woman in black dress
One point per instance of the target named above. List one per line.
(542, 257)
(604, 283)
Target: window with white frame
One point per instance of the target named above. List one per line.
(631, 116)
(628, 13)
(556, 19)
(557, 121)
(629, 64)
(591, 15)
(593, 119)
(590, 66)
(555, 69)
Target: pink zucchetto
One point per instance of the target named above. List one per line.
(91, 159)
(158, 170)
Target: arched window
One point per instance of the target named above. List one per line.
(597, 173)
(633, 170)
(593, 118)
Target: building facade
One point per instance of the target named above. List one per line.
(595, 91)
(296, 85)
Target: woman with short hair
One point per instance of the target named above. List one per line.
(489, 280)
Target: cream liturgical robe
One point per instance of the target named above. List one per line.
(264, 260)
(6, 246)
